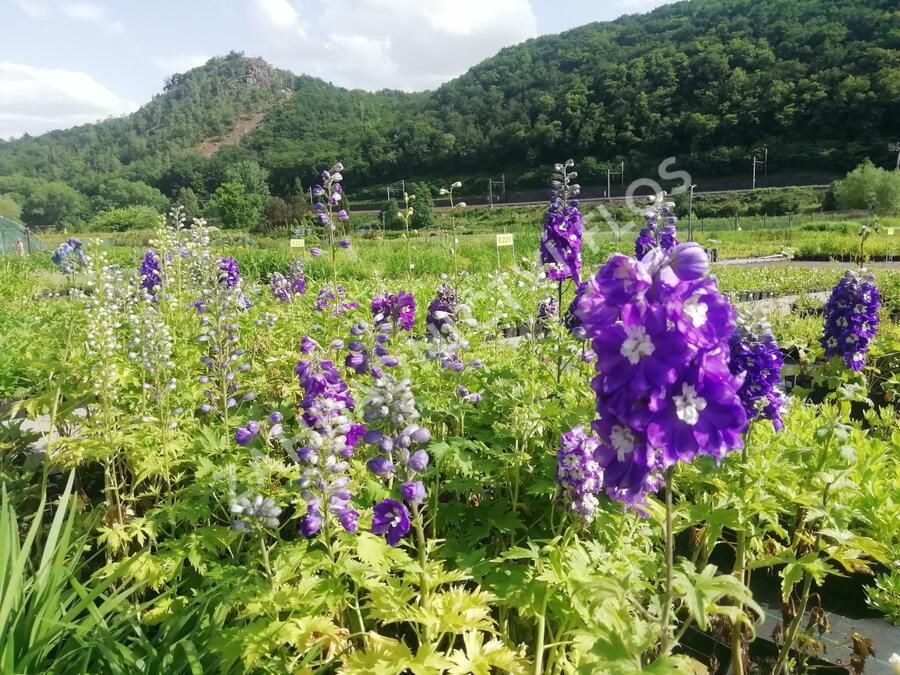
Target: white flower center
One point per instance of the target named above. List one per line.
(688, 406)
(622, 441)
(637, 344)
(695, 310)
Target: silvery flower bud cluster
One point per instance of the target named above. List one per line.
(390, 400)
(255, 513)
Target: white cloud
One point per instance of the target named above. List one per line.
(180, 63)
(92, 13)
(35, 100)
(278, 12)
(34, 8)
(400, 44)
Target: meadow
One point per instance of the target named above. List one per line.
(362, 473)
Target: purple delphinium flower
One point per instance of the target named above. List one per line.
(851, 318)
(391, 405)
(547, 311)
(285, 286)
(245, 435)
(578, 474)
(563, 226)
(151, 273)
(229, 272)
(329, 440)
(315, 251)
(442, 312)
(222, 299)
(644, 242)
(343, 243)
(391, 519)
(755, 356)
(398, 308)
(68, 254)
(659, 230)
(664, 391)
(336, 303)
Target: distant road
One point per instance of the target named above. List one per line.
(523, 200)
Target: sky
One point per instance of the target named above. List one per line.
(68, 62)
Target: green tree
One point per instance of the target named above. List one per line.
(252, 176)
(118, 193)
(390, 215)
(869, 187)
(423, 207)
(128, 218)
(236, 209)
(10, 208)
(52, 204)
(187, 199)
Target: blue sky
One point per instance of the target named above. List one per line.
(66, 62)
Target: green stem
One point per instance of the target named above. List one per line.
(665, 641)
(794, 627)
(539, 635)
(737, 638)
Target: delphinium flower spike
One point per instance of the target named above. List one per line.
(756, 357)
(221, 298)
(563, 226)
(150, 273)
(328, 440)
(69, 255)
(851, 318)
(330, 214)
(579, 476)
(399, 309)
(664, 392)
(286, 287)
(390, 414)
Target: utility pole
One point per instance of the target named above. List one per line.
(895, 147)
(500, 184)
(609, 173)
(763, 162)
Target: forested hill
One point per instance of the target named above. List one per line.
(817, 81)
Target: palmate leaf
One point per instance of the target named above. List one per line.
(382, 655)
(702, 592)
(480, 658)
(458, 609)
(258, 640)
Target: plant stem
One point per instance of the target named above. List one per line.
(737, 638)
(795, 625)
(670, 565)
(539, 635)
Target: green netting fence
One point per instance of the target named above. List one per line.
(15, 237)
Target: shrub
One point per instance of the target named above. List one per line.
(123, 220)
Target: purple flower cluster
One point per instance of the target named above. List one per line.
(851, 318)
(329, 442)
(391, 405)
(396, 308)
(659, 228)
(359, 357)
(442, 312)
(563, 226)
(229, 272)
(271, 427)
(579, 476)
(150, 272)
(68, 255)
(547, 311)
(756, 357)
(330, 194)
(285, 287)
(334, 300)
(664, 391)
